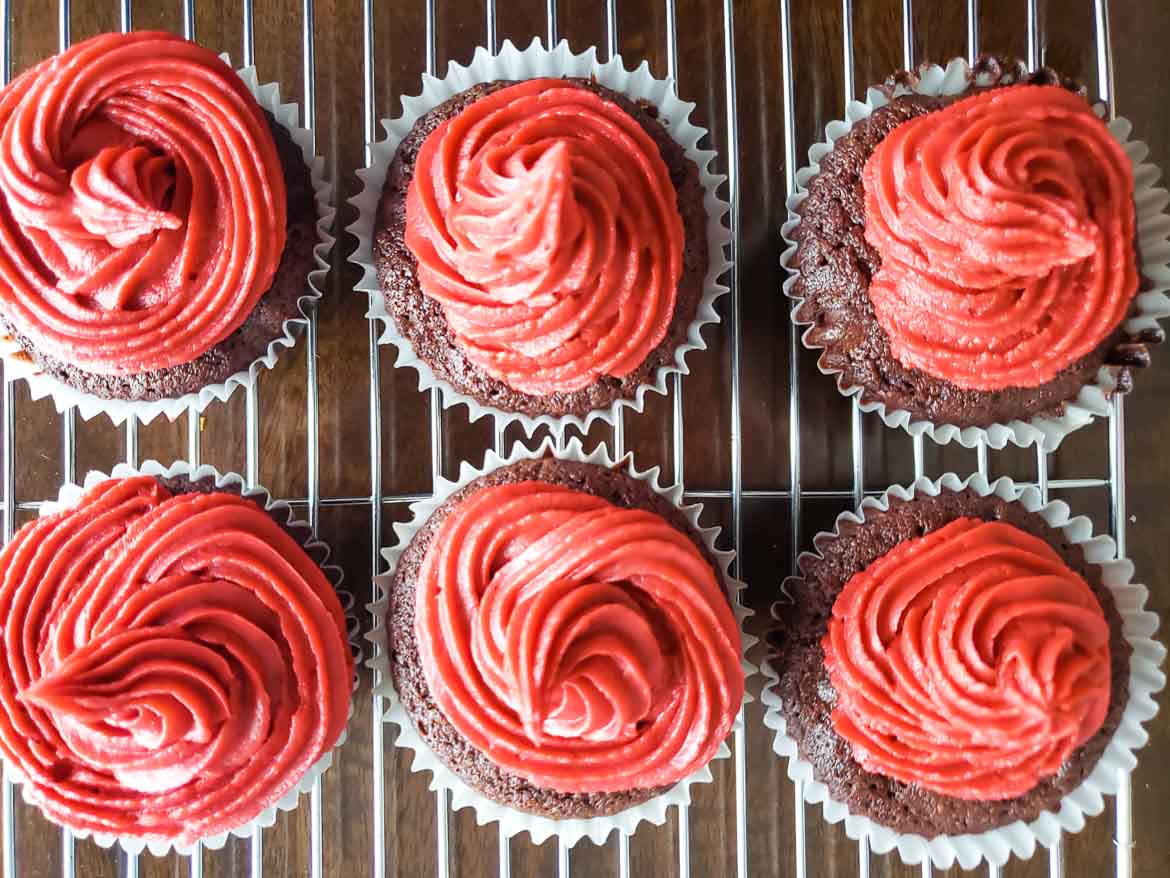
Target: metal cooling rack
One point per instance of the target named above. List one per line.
(735, 493)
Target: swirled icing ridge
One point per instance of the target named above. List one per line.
(546, 225)
(173, 664)
(971, 661)
(580, 645)
(144, 203)
(1005, 225)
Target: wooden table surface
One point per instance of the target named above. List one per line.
(1141, 31)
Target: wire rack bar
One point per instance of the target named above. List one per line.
(1032, 26)
(312, 397)
(68, 454)
(132, 441)
(249, 33)
(735, 439)
(125, 21)
(7, 797)
(972, 30)
(857, 435)
(697, 494)
(503, 843)
(252, 392)
(442, 816)
(8, 464)
(194, 438)
(1035, 51)
(795, 485)
(562, 859)
(754, 495)
(504, 854)
(1124, 816)
(619, 424)
(126, 15)
(195, 860)
(855, 423)
(1056, 852)
(847, 49)
(907, 34)
(611, 38)
(919, 449)
(676, 429)
(8, 800)
(378, 708)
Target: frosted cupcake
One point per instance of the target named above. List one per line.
(176, 662)
(542, 244)
(542, 236)
(961, 671)
(158, 224)
(562, 640)
(969, 254)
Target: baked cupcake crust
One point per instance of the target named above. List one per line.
(807, 696)
(836, 264)
(247, 343)
(471, 765)
(421, 320)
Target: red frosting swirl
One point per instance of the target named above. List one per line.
(173, 665)
(971, 661)
(143, 203)
(1005, 224)
(580, 645)
(545, 223)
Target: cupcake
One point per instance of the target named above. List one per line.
(955, 674)
(968, 255)
(158, 227)
(176, 662)
(561, 645)
(544, 243)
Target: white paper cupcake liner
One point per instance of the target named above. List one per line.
(18, 365)
(512, 822)
(1145, 679)
(68, 496)
(1153, 230)
(515, 64)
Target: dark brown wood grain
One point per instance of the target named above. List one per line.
(1141, 33)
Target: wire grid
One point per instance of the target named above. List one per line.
(735, 492)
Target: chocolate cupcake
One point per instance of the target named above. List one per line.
(967, 250)
(165, 244)
(177, 659)
(955, 663)
(544, 244)
(581, 661)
